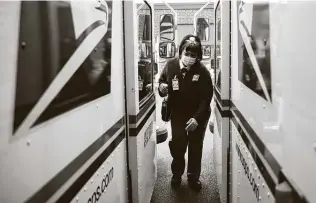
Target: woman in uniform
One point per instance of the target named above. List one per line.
(188, 85)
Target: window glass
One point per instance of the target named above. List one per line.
(145, 67)
(167, 49)
(257, 36)
(218, 46)
(206, 51)
(47, 42)
(213, 57)
(167, 32)
(203, 29)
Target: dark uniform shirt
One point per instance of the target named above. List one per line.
(194, 96)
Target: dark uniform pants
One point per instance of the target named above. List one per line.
(178, 145)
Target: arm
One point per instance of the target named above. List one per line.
(206, 97)
(163, 79)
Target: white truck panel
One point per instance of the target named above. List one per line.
(286, 123)
(37, 154)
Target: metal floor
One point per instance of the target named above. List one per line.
(163, 193)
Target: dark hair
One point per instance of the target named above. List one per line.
(191, 45)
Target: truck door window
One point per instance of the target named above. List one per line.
(48, 42)
(203, 29)
(167, 31)
(218, 46)
(145, 65)
(259, 39)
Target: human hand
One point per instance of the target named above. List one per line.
(191, 125)
(163, 88)
(148, 87)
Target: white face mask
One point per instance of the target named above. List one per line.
(188, 61)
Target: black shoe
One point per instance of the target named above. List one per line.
(195, 185)
(176, 181)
